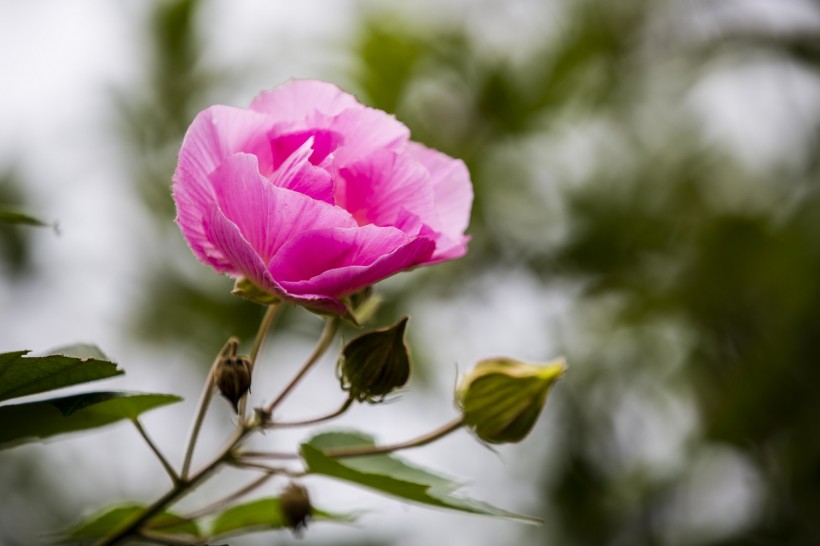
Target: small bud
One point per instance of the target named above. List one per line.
(296, 507)
(502, 398)
(233, 378)
(375, 364)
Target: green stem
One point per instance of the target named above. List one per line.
(325, 340)
(163, 461)
(202, 407)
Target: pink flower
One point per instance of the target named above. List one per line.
(312, 196)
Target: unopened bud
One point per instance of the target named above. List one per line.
(502, 398)
(296, 507)
(233, 378)
(375, 364)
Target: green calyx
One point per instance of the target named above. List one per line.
(502, 398)
(375, 364)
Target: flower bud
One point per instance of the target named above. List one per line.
(375, 364)
(233, 378)
(296, 507)
(502, 398)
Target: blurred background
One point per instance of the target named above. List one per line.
(647, 204)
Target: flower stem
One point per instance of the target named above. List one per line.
(312, 421)
(271, 314)
(331, 327)
(389, 448)
(163, 461)
(224, 502)
(202, 408)
(185, 486)
(363, 451)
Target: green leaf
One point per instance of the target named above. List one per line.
(263, 515)
(23, 423)
(110, 519)
(8, 216)
(21, 375)
(390, 475)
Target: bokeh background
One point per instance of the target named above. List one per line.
(646, 177)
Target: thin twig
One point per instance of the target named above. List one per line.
(181, 489)
(202, 407)
(271, 314)
(389, 448)
(224, 502)
(165, 464)
(324, 342)
(312, 421)
(363, 451)
(275, 455)
(242, 463)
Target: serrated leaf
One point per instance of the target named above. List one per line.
(23, 423)
(263, 515)
(22, 375)
(391, 475)
(8, 216)
(108, 520)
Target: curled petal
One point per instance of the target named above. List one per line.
(343, 260)
(453, 193)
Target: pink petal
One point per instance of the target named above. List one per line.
(268, 216)
(297, 173)
(453, 193)
(226, 236)
(339, 261)
(299, 99)
(336, 120)
(366, 130)
(385, 188)
(215, 133)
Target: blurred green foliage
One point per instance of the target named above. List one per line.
(699, 274)
(661, 229)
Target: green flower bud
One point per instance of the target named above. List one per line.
(233, 378)
(375, 364)
(296, 507)
(502, 398)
